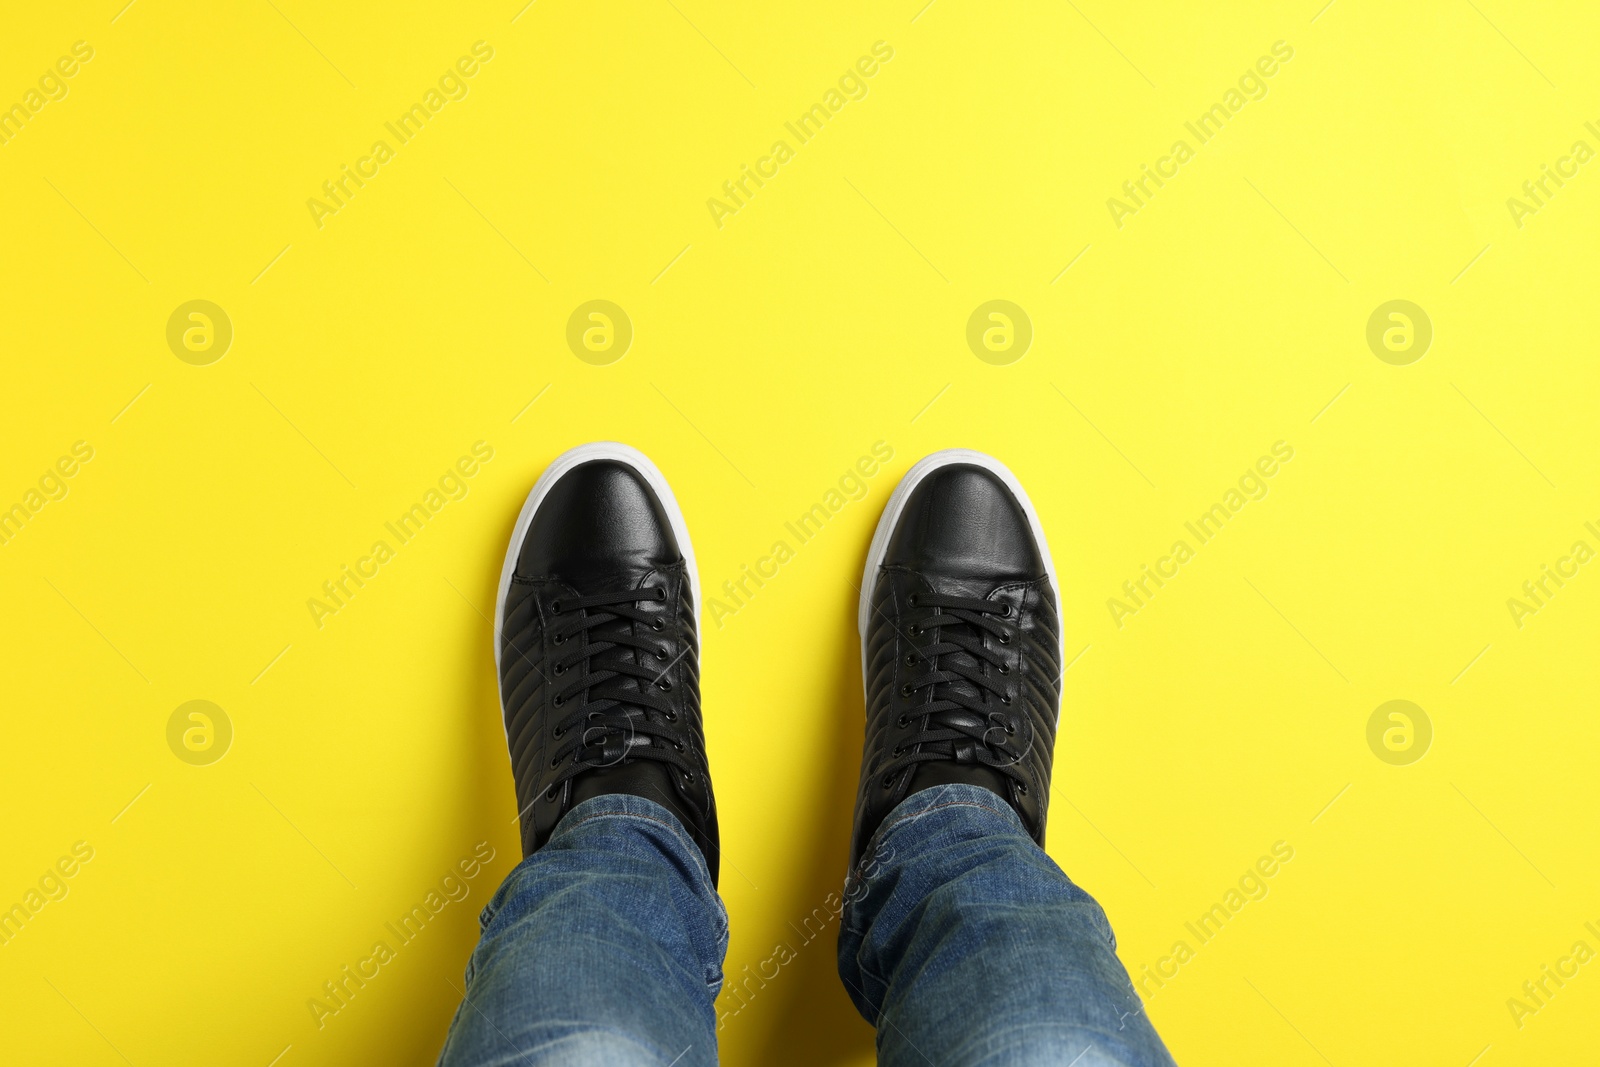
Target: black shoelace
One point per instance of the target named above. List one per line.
(610, 685)
(966, 715)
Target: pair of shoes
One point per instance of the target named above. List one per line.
(597, 645)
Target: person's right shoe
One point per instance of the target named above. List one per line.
(960, 643)
(597, 647)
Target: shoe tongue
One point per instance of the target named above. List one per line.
(963, 585)
(653, 781)
(949, 772)
(645, 778)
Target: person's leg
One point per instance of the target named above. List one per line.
(964, 944)
(961, 941)
(603, 948)
(605, 945)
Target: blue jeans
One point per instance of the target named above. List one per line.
(961, 941)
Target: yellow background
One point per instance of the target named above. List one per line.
(829, 313)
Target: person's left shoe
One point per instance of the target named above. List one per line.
(597, 647)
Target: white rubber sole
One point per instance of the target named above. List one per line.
(897, 505)
(598, 450)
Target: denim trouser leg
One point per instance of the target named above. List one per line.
(964, 944)
(603, 948)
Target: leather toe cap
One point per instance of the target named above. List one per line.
(961, 521)
(601, 520)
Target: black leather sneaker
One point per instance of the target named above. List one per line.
(960, 643)
(597, 647)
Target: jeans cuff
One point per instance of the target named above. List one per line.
(629, 805)
(927, 801)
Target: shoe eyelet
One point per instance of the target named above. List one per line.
(911, 601)
(558, 731)
(905, 690)
(902, 722)
(555, 607)
(915, 631)
(678, 745)
(888, 782)
(688, 776)
(1003, 669)
(1022, 788)
(664, 685)
(911, 660)
(658, 625)
(558, 669)
(661, 653)
(1010, 729)
(550, 794)
(558, 639)
(1006, 614)
(672, 716)
(555, 761)
(1006, 700)
(896, 753)
(557, 700)
(1005, 638)
(661, 592)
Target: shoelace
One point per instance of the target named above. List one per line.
(967, 715)
(609, 686)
